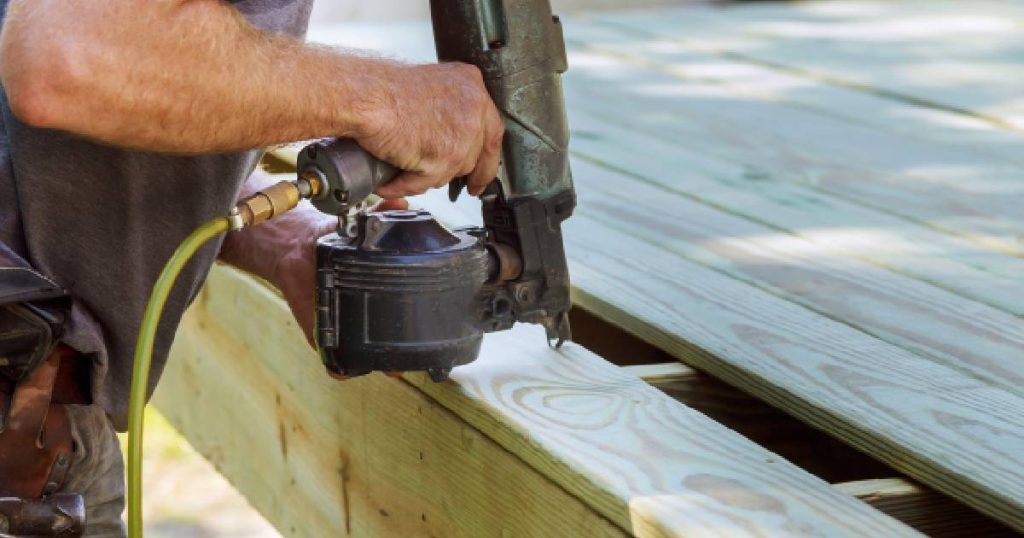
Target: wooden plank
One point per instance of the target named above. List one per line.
(367, 457)
(836, 227)
(626, 451)
(963, 57)
(946, 186)
(665, 372)
(946, 429)
(944, 327)
(928, 511)
(811, 450)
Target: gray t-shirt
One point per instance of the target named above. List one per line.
(103, 221)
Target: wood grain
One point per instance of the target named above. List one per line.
(970, 337)
(626, 451)
(837, 229)
(944, 428)
(947, 186)
(323, 458)
(963, 57)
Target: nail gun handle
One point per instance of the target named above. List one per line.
(347, 172)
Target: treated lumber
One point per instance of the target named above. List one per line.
(928, 511)
(932, 322)
(618, 447)
(954, 55)
(754, 179)
(321, 458)
(836, 228)
(810, 449)
(946, 186)
(946, 429)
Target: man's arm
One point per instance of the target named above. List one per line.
(192, 76)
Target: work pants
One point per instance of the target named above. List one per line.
(97, 471)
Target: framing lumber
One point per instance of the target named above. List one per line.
(321, 458)
(928, 511)
(809, 449)
(533, 442)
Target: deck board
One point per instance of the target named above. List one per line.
(950, 187)
(946, 54)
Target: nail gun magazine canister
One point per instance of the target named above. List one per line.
(399, 296)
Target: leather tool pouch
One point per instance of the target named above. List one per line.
(35, 436)
(32, 311)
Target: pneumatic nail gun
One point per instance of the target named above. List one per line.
(397, 291)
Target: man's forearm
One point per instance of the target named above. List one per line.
(195, 76)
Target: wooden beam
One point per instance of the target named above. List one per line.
(624, 452)
(928, 511)
(810, 449)
(323, 458)
(664, 373)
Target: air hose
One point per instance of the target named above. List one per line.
(253, 210)
(144, 357)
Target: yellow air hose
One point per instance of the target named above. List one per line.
(144, 356)
(255, 209)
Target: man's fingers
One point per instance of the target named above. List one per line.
(490, 156)
(391, 204)
(484, 172)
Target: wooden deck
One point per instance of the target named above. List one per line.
(814, 210)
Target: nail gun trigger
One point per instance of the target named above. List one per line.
(455, 188)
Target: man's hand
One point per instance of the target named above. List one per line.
(440, 124)
(282, 251)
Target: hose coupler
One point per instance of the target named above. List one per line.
(272, 201)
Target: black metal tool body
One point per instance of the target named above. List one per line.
(397, 291)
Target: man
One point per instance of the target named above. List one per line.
(127, 123)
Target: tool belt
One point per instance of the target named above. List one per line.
(37, 377)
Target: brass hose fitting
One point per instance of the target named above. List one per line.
(272, 201)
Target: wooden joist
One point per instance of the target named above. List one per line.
(930, 512)
(526, 441)
(926, 510)
(810, 449)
